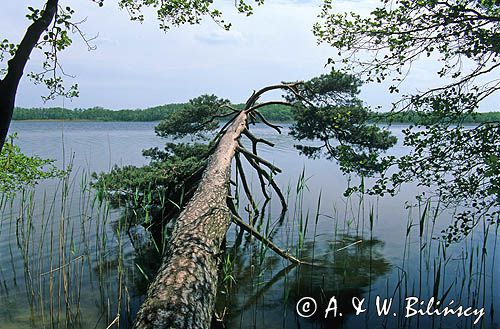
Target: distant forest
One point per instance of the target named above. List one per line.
(277, 113)
(273, 112)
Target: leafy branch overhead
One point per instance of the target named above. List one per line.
(463, 36)
(176, 13)
(54, 39)
(58, 35)
(457, 163)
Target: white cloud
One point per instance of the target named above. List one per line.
(219, 37)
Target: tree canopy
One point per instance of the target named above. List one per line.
(458, 163)
(464, 36)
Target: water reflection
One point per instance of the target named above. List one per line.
(266, 294)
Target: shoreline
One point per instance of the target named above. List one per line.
(275, 121)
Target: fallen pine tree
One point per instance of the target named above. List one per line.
(189, 185)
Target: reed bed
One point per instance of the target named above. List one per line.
(67, 260)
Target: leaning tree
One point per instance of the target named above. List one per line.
(51, 32)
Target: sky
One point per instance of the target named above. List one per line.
(136, 65)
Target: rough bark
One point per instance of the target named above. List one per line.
(184, 290)
(16, 65)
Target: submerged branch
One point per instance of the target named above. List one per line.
(268, 243)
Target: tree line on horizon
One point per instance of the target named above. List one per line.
(279, 113)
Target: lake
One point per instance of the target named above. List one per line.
(68, 261)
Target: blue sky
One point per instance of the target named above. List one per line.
(137, 65)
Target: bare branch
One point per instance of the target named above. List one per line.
(269, 179)
(243, 179)
(255, 157)
(255, 139)
(264, 120)
(253, 108)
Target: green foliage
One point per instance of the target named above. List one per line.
(179, 12)
(158, 190)
(196, 118)
(277, 113)
(7, 48)
(156, 113)
(458, 163)
(423, 118)
(329, 109)
(54, 40)
(18, 170)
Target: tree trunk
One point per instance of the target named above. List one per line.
(6, 109)
(15, 69)
(184, 290)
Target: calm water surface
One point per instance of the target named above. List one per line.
(66, 262)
